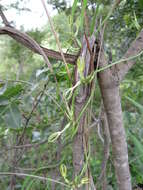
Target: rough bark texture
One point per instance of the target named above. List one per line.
(80, 101)
(78, 144)
(25, 40)
(106, 135)
(111, 99)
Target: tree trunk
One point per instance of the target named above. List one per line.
(78, 143)
(103, 178)
(84, 92)
(111, 99)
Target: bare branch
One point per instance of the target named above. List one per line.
(20, 37)
(4, 19)
(135, 48)
(26, 145)
(32, 176)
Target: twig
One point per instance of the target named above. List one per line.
(30, 115)
(34, 176)
(26, 38)
(56, 37)
(48, 52)
(18, 36)
(5, 21)
(26, 145)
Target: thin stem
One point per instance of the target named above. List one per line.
(34, 176)
(56, 37)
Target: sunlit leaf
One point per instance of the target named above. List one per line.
(63, 170)
(53, 137)
(136, 22)
(81, 66)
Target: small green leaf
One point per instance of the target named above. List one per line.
(127, 19)
(53, 137)
(12, 91)
(82, 12)
(136, 22)
(74, 9)
(3, 88)
(139, 106)
(63, 170)
(123, 2)
(81, 66)
(13, 117)
(94, 19)
(84, 180)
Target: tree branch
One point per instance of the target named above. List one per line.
(135, 48)
(4, 19)
(111, 99)
(56, 37)
(22, 38)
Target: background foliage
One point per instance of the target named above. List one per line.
(24, 77)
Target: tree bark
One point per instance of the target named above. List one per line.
(84, 92)
(106, 149)
(25, 40)
(135, 48)
(111, 99)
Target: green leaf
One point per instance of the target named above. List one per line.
(138, 146)
(54, 136)
(74, 9)
(63, 170)
(93, 20)
(81, 67)
(127, 19)
(27, 184)
(136, 22)
(141, 4)
(3, 101)
(139, 106)
(12, 91)
(3, 88)
(84, 180)
(123, 2)
(13, 117)
(82, 12)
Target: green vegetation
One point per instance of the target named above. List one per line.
(37, 112)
